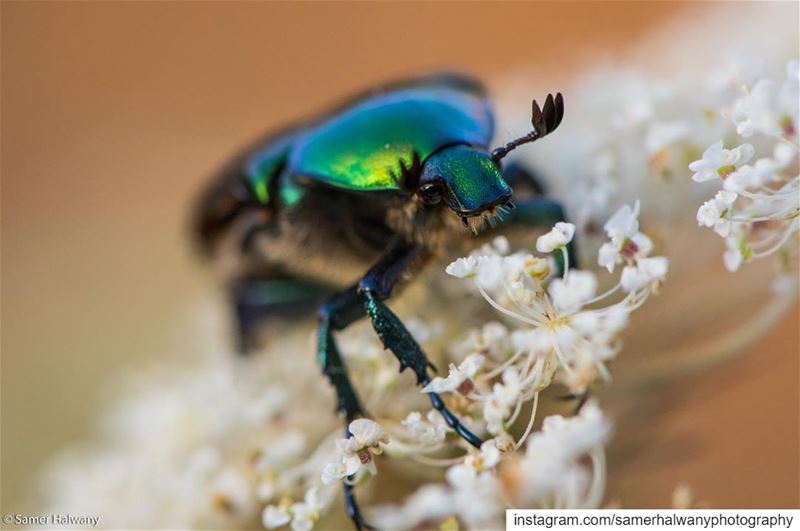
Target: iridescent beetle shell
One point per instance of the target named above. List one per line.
(366, 145)
(363, 148)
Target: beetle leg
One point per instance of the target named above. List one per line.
(256, 299)
(376, 287)
(519, 178)
(348, 306)
(341, 310)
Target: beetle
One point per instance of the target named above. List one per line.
(339, 210)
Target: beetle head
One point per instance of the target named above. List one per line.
(467, 180)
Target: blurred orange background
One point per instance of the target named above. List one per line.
(113, 115)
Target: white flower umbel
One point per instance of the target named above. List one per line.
(563, 467)
(758, 210)
(567, 333)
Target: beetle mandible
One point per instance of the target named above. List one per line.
(337, 211)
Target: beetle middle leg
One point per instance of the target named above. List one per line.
(339, 312)
(257, 298)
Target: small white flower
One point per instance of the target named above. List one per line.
(608, 256)
(463, 267)
(717, 212)
(627, 243)
(656, 268)
(768, 108)
(784, 154)
(503, 397)
(553, 456)
(431, 432)
(365, 441)
(275, 516)
(333, 472)
(645, 272)
(306, 513)
(732, 258)
(474, 497)
(459, 379)
(624, 223)
(753, 112)
(571, 292)
(559, 236)
(491, 271)
(492, 340)
(499, 246)
(356, 451)
(486, 459)
(718, 162)
(430, 503)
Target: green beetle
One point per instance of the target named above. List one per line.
(336, 211)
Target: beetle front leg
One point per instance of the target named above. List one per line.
(375, 288)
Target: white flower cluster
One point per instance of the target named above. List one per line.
(214, 447)
(563, 467)
(566, 334)
(758, 209)
(730, 111)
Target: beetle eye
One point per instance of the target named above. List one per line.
(431, 193)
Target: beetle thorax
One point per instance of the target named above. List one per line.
(429, 226)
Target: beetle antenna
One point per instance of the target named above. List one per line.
(544, 121)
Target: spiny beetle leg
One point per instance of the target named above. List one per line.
(397, 338)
